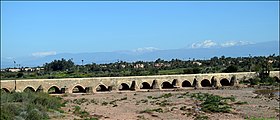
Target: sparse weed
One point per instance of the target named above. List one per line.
(144, 101)
(159, 110)
(163, 103)
(93, 101)
(104, 103)
(241, 103)
(213, 103)
(201, 117)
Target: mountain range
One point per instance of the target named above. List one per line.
(257, 49)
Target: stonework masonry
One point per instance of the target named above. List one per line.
(135, 83)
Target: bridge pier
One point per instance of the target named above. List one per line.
(234, 81)
(216, 81)
(155, 85)
(67, 90)
(88, 90)
(197, 83)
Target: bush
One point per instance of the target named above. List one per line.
(200, 117)
(255, 81)
(159, 110)
(230, 69)
(268, 80)
(25, 105)
(213, 103)
(192, 70)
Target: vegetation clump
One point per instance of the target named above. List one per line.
(159, 110)
(26, 105)
(213, 103)
(201, 117)
(81, 113)
(167, 95)
(163, 103)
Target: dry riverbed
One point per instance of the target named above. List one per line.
(166, 105)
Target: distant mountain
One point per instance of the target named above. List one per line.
(258, 49)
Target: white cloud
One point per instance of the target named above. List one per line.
(234, 43)
(210, 43)
(145, 49)
(43, 54)
(204, 44)
(9, 58)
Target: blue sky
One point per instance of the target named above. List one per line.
(43, 28)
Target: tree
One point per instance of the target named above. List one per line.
(20, 75)
(59, 65)
(231, 68)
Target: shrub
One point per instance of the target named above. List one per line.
(184, 108)
(159, 110)
(24, 105)
(255, 81)
(241, 103)
(104, 103)
(201, 117)
(163, 103)
(213, 103)
(230, 69)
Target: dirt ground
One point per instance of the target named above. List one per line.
(130, 105)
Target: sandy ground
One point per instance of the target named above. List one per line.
(129, 105)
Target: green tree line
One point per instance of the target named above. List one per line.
(66, 68)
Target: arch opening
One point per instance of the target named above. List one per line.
(102, 88)
(124, 86)
(5, 90)
(225, 82)
(186, 84)
(145, 85)
(205, 83)
(54, 90)
(166, 85)
(78, 89)
(29, 89)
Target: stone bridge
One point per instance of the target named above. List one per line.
(132, 83)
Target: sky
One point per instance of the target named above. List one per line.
(47, 28)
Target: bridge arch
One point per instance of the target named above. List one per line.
(205, 83)
(225, 82)
(101, 88)
(5, 90)
(145, 85)
(186, 83)
(54, 90)
(78, 89)
(29, 89)
(124, 86)
(166, 85)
